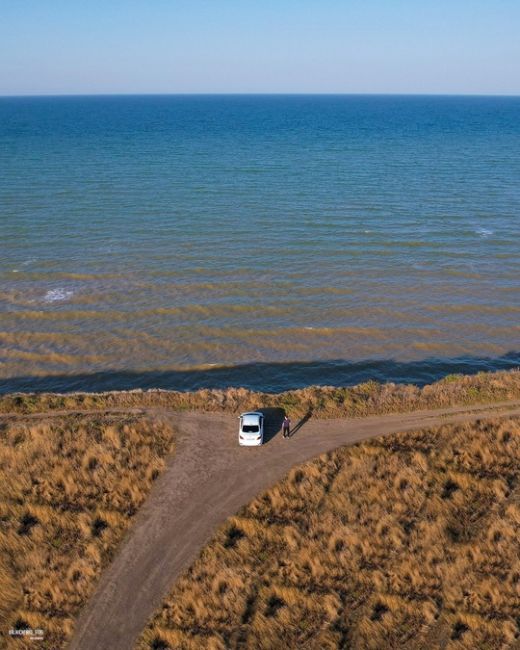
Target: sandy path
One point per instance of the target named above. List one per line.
(209, 479)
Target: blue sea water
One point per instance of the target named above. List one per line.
(266, 241)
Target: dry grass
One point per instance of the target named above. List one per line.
(68, 490)
(370, 398)
(407, 541)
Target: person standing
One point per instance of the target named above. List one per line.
(286, 427)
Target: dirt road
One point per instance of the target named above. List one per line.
(209, 479)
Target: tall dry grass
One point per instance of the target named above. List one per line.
(407, 541)
(69, 488)
(370, 398)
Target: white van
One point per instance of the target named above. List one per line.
(251, 431)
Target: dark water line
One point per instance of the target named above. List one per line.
(266, 377)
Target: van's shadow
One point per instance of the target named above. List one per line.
(272, 422)
(274, 417)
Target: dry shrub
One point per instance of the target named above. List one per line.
(406, 541)
(68, 490)
(369, 398)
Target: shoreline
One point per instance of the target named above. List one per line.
(368, 398)
(265, 377)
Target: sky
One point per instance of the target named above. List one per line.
(259, 46)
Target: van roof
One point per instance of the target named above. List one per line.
(250, 418)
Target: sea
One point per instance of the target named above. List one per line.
(269, 242)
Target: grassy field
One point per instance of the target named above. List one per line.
(407, 541)
(383, 543)
(69, 487)
(370, 398)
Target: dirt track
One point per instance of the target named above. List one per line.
(209, 479)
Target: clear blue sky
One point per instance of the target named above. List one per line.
(185, 46)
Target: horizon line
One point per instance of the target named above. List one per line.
(256, 94)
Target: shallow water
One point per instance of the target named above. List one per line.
(145, 237)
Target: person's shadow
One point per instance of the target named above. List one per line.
(300, 424)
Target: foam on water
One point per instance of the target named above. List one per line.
(58, 295)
